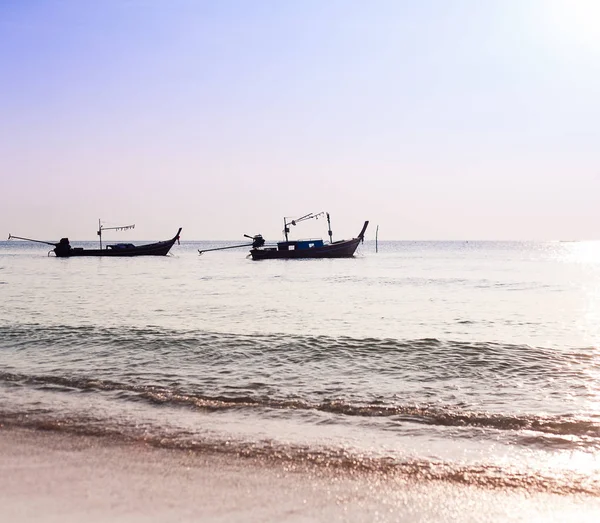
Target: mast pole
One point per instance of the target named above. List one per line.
(120, 228)
(329, 227)
(376, 233)
(285, 228)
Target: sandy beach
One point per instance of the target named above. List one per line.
(48, 476)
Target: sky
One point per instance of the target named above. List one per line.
(434, 119)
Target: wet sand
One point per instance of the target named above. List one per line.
(57, 477)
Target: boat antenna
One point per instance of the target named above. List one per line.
(329, 227)
(296, 221)
(120, 228)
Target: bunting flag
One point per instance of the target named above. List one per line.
(120, 228)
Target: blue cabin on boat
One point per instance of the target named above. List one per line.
(299, 245)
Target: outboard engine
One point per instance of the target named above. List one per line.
(63, 247)
(257, 241)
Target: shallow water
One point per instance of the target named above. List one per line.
(475, 362)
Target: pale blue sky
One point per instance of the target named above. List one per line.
(434, 119)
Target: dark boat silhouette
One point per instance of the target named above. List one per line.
(300, 249)
(313, 248)
(63, 248)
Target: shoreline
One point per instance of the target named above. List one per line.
(51, 476)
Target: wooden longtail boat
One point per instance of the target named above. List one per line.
(313, 248)
(63, 248)
(300, 249)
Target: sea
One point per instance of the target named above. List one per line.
(467, 362)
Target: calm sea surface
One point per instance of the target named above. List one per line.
(474, 362)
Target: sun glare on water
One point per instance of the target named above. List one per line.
(581, 274)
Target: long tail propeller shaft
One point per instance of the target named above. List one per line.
(257, 241)
(223, 248)
(10, 237)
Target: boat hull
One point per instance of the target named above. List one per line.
(150, 249)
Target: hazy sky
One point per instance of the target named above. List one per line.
(462, 119)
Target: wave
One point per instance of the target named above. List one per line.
(324, 459)
(435, 415)
(532, 396)
(320, 346)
